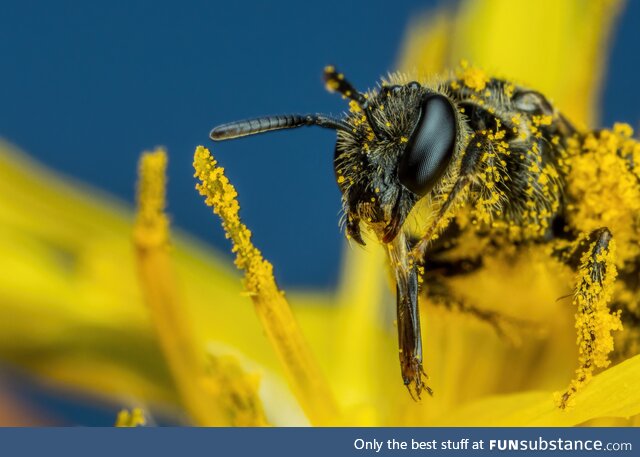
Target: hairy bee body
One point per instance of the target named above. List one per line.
(520, 176)
(485, 168)
(519, 141)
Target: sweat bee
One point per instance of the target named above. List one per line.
(493, 162)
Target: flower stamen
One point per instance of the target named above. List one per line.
(270, 304)
(206, 393)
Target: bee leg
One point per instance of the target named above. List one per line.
(468, 167)
(409, 338)
(593, 260)
(408, 313)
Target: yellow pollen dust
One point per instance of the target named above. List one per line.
(472, 77)
(354, 107)
(133, 418)
(332, 85)
(509, 90)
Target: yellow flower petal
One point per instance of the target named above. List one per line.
(73, 264)
(235, 393)
(558, 48)
(425, 49)
(612, 393)
(357, 341)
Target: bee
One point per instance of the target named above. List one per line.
(493, 167)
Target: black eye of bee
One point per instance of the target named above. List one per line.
(430, 147)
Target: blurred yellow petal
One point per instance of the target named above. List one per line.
(558, 48)
(426, 45)
(233, 394)
(357, 340)
(612, 393)
(73, 266)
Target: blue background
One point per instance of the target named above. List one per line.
(85, 87)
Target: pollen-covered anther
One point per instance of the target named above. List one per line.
(152, 224)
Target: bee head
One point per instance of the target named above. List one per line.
(393, 148)
(400, 143)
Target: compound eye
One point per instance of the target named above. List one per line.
(430, 147)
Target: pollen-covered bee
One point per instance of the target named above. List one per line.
(493, 167)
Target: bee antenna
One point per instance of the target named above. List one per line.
(278, 122)
(336, 82)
